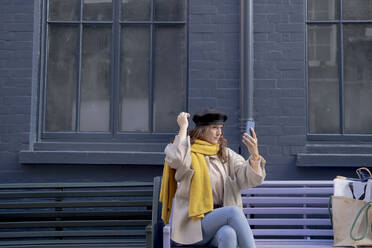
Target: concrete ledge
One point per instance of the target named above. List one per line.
(333, 160)
(90, 157)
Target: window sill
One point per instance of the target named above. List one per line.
(339, 137)
(333, 160)
(91, 157)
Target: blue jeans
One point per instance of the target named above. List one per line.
(227, 227)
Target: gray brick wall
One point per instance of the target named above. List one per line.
(279, 72)
(16, 25)
(280, 89)
(214, 26)
(214, 33)
(16, 37)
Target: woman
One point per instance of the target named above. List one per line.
(207, 202)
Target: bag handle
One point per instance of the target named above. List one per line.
(330, 210)
(362, 173)
(368, 206)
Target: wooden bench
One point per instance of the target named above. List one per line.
(286, 214)
(75, 214)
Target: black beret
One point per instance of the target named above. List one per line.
(208, 117)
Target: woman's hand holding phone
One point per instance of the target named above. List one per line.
(249, 139)
(250, 124)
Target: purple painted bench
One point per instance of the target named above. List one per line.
(286, 214)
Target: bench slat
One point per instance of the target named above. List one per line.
(297, 243)
(77, 245)
(124, 244)
(52, 194)
(292, 232)
(285, 200)
(290, 222)
(288, 210)
(74, 185)
(75, 214)
(73, 242)
(299, 183)
(72, 204)
(285, 245)
(288, 191)
(76, 233)
(80, 223)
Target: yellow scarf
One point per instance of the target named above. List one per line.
(167, 191)
(201, 201)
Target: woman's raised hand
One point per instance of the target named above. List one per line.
(252, 144)
(183, 123)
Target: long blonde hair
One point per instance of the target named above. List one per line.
(199, 133)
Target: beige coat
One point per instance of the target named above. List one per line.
(239, 175)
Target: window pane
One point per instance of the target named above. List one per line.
(170, 76)
(323, 79)
(98, 10)
(357, 9)
(95, 78)
(134, 78)
(166, 10)
(136, 10)
(358, 78)
(61, 77)
(322, 9)
(64, 10)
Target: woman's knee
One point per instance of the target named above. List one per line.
(227, 237)
(235, 211)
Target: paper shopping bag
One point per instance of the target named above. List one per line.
(345, 211)
(350, 213)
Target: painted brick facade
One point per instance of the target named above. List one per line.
(280, 89)
(214, 33)
(214, 57)
(280, 97)
(16, 34)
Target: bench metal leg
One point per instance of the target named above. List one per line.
(166, 236)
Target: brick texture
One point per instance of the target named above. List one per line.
(214, 34)
(16, 34)
(280, 98)
(214, 58)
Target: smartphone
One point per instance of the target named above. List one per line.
(250, 124)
